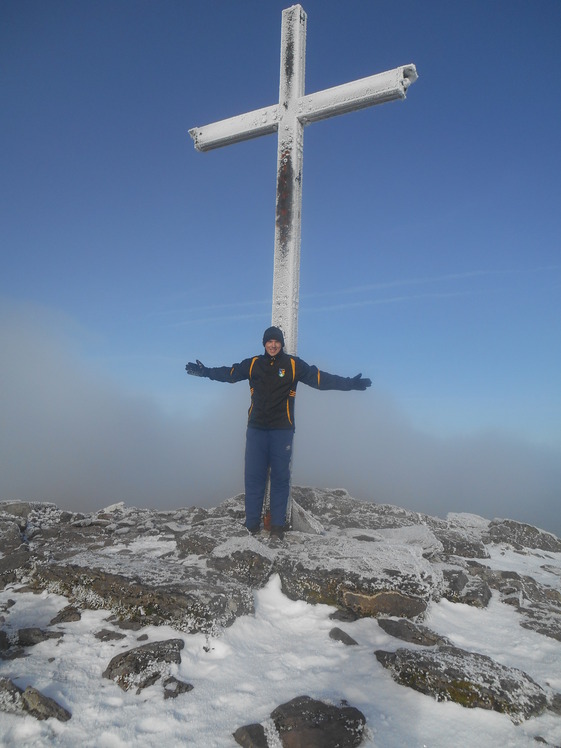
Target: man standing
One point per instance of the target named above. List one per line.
(273, 377)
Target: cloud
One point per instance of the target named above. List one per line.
(72, 436)
(363, 442)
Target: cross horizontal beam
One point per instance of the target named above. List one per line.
(359, 94)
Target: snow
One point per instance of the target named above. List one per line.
(263, 660)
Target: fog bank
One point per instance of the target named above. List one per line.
(78, 439)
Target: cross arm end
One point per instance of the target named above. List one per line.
(410, 75)
(235, 129)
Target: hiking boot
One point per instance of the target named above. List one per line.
(254, 530)
(277, 531)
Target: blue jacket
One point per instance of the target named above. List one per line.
(272, 382)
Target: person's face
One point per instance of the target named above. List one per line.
(273, 347)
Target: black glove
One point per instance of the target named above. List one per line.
(197, 370)
(358, 383)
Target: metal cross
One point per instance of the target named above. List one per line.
(288, 118)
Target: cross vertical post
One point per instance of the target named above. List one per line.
(290, 159)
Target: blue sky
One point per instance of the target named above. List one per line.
(430, 252)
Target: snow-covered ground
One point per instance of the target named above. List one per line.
(264, 660)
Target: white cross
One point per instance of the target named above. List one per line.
(288, 118)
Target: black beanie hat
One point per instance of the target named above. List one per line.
(273, 333)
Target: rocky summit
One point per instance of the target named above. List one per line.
(197, 570)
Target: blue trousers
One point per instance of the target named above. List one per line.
(266, 448)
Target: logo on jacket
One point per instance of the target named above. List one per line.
(282, 372)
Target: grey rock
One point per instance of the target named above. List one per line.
(19, 509)
(456, 581)
(539, 605)
(339, 635)
(250, 567)
(107, 635)
(126, 625)
(30, 701)
(385, 603)
(552, 569)
(251, 736)
(69, 614)
(457, 538)
(343, 615)
(13, 653)
(43, 707)
(520, 536)
(204, 602)
(337, 508)
(201, 538)
(10, 533)
(12, 564)
(29, 637)
(555, 704)
(465, 588)
(307, 723)
(10, 697)
(174, 687)
(456, 544)
(15, 552)
(356, 575)
(410, 632)
(466, 678)
(143, 666)
(4, 641)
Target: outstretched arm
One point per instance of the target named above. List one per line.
(323, 380)
(234, 373)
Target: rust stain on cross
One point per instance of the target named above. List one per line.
(284, 200)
